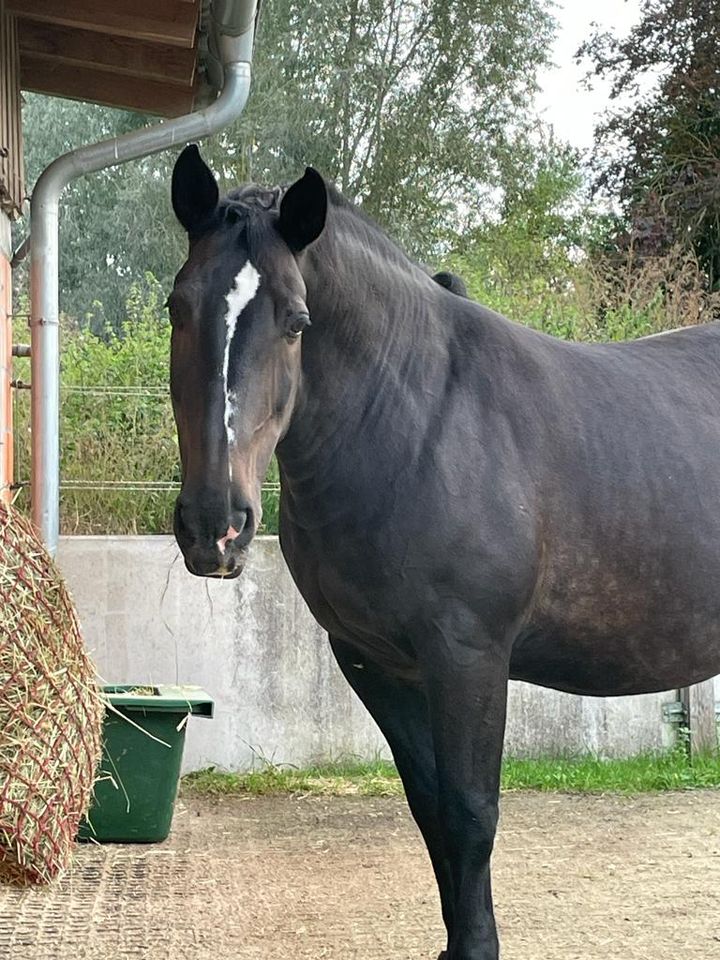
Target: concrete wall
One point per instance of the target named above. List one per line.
(253, 645)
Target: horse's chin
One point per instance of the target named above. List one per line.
(215, 571)
(232, 575)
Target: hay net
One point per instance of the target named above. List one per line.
(50, 711)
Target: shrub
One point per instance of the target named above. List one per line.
(608, 297)
(119, 460)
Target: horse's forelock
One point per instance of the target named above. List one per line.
(250, 196)
(246, 199)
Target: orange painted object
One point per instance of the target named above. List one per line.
(6, 433)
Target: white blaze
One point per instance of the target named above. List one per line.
(243, 290)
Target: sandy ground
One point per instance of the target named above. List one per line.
(576, 878)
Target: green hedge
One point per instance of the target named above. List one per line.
(116, 419)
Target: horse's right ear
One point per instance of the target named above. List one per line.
(303, 209)
(194, 189)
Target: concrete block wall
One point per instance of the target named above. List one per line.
(253, 645)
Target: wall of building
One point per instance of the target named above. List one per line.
(254, 646)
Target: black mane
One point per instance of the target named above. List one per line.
(241, 201)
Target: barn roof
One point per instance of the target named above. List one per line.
(154, 56)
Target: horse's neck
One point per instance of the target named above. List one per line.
(369, 300)
(376, 341)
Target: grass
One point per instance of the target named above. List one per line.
(643, 774)
(377, 778)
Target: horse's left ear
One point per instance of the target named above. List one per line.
(451, 282)
(303, 210)
(194, 189)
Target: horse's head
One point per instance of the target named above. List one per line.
(238, 311)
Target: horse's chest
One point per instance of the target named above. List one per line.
(352, 590)
(340, 581)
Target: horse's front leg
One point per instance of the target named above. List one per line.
(466, 678)
(401, 711)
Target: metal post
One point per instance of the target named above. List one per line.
(699, 702)
(6, 411)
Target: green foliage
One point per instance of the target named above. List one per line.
(422, 113)
(643, 774)
(658, 150)
(545, 262)
(647, 773)
(118, 441)
(115, 226)
(412, 107)
(116, 423)
(350, 777)
(527, 263)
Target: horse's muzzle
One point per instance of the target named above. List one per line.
(208, 555)
(228, 565)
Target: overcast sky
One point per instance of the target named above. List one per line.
(569, 107)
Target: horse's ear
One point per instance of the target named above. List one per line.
(451, 282)
(303, 210)
(194, 189)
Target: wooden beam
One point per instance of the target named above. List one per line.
(117, 54)
(172, 22)
(699, 703)
(109, 89)
(12, 188)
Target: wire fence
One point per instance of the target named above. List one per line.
(120, 470)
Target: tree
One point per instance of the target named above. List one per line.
(410, 106)
(525, 262)
(114, 225)
(414, 108)
(660, 153)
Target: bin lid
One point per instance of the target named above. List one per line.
(167, 698)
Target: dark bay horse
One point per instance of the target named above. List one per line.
(464, 499)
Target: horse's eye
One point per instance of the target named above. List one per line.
(296, 324)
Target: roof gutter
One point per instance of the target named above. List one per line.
(235, 45)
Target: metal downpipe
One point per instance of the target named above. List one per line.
(44, 322)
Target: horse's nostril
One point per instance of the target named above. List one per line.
(229, 537)
(242, 520)
(245, 525)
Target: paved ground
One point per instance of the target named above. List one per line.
(576, 878)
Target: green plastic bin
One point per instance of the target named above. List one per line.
(144, 737)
